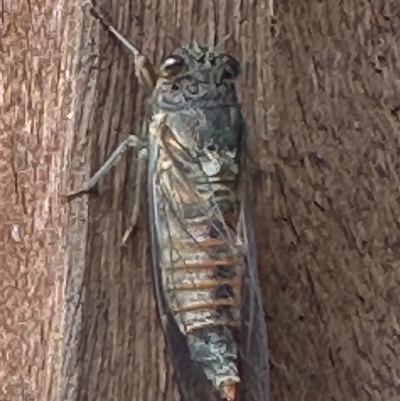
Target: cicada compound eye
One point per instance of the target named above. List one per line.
(171, 66)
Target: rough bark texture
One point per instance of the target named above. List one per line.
(321, 92)
(36, 64)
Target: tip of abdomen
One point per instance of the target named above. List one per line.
(228, 390)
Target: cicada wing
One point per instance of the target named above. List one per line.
(253, 343)
(188, 375)
(250, 336)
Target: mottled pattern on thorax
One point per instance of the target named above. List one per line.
(202, 125)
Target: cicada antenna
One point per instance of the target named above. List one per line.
(144, 70)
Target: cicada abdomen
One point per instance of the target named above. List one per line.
(204, 260)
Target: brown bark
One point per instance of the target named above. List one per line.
(36, 51)
(321, 92)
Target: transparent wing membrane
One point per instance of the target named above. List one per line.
(206, 267)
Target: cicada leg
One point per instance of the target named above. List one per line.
(131, 141)
(136, 206)
(144, 70)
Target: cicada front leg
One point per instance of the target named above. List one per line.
(146, 75)
(144, 70)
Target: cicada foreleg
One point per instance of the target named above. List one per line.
(131, 141)
(144, 70)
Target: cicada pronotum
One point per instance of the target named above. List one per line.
(203, 247)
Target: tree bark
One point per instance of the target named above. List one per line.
(321, 93)
(37, 43)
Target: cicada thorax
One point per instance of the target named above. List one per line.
(195, 135)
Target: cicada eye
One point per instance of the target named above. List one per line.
(171, 66)
(231, 68)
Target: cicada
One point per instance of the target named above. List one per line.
(204, 260)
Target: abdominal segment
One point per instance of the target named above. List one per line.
(202, 286)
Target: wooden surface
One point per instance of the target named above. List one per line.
(321, 92)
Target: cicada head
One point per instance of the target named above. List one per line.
(196, 93)
(196, 75)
